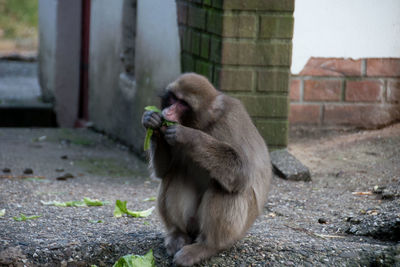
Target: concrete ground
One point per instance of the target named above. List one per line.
(348, 215)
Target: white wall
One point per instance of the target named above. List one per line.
(345, 28)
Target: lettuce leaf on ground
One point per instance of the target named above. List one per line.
(136, 260)
(23, 217)
(120, 209)
(76, 203)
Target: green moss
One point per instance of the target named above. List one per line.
(106, 167)
(74, 137)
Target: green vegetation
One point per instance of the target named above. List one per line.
(106, 167)
(18, 18)
(74, 137)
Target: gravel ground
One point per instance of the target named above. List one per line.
(325, 222)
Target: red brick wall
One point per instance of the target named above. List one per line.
(337, 91)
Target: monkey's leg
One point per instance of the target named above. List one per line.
(223, 220)
(175, 240)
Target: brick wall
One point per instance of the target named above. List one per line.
(337, 91)
(244, 48)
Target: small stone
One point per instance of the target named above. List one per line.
(28, 171)
(6, 170)
(65, 177)
(286, 166)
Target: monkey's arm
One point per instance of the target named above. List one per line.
(219, 158)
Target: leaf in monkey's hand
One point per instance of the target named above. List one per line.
(168, 123)
(149, 132)
(153, 108)
(147, 139)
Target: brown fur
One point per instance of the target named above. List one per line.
(215, 172)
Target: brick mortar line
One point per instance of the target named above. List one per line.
(252, 40)
(258, 26)
(383, 93)
(301, 91)
(343, 86)
(231, 12)
(363, 67)
(335, 103)
(269, 119)
(257, 93)
(352, 78)
(254, 79)
(254, 68)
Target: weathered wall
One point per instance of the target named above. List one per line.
(47, 48)
(117, 96)
(59, 57)
(244, 48)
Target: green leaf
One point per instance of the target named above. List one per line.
(64, 204)
(23, 217)
(153, 108)
(2, 212)
(149, 133)
(76, 203)
(169, 123)
(150, 199)
(94, 202)
(136, 260)
(141, 214)
(120, 209)
(96, 221)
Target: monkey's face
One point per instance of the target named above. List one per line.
(175, 109)
(189, 101)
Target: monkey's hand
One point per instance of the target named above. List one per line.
(178, 134)
(152, 120)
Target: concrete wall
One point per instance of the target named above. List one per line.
(116, 100)
(59, 57)
(343, 28)
(47, 48)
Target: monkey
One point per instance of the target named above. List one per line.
(214, 168)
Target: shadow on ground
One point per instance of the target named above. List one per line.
(349, 214)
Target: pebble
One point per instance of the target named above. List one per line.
(322, 221)
(28, 171)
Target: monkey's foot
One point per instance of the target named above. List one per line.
(192, 254)
(175, 241)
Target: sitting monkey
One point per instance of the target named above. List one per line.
(214, 168)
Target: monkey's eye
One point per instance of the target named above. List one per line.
(172, 99)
